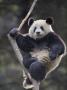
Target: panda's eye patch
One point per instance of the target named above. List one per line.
(34, 29)
(42, 28)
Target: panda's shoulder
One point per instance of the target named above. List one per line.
(53, 36)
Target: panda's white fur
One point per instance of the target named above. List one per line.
(38, 24)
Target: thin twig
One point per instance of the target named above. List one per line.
(28, 14)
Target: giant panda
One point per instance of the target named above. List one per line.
(41, 47)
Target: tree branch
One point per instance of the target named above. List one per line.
(28, 14)
(14, 44)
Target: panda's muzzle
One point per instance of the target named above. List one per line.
(38, 33)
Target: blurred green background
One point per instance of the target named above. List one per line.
(11, 14)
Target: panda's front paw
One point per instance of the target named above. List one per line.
(52, 55)
(13, 32)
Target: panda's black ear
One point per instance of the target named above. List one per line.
(30, 21)
(50, 20)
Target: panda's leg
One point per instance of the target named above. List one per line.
(37, 71)
(28, 81)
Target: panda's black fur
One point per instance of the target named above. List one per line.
(27, 44)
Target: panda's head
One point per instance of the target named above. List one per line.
(40, 28)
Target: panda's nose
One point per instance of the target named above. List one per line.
(38, 33)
